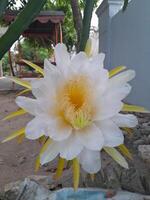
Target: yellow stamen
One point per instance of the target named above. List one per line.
(75, 105)
(81, 121)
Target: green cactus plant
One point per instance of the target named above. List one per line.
(25, 17)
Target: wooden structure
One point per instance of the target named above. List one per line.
(47, 27)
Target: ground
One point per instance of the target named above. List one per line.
(17, 161)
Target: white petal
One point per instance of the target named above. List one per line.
(79, 62)
(122, 92)
(125, 120)
(51, 152)
(49, 68)
(91, 68)
(110, 103)
(119, 92)
(99, 78)
(44, 87)
(52, 74)
(40, 88)
(91, 137)
(62, 57)
(107, 106)
(59, 130)
(113, 136)
(90, 161)
(28, 104)
(122, 78)
(35, 128)
(70, 148)
(98, 61)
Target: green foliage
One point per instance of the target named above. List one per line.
(69, 33)
(31, 9)
(5, 62)
(31, 50)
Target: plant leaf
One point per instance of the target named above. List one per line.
(125, 151)
(34, 66)
(134, 108)
(21, 82)
(15, 114)
(116, 70)
(60, 167)
(116, 156)
(22, 21)
(76, 173)
(14, 135)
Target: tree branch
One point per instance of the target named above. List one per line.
(77, 18)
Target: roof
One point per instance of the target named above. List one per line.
(43, 26)
(43, 17)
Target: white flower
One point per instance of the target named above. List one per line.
(77, 106)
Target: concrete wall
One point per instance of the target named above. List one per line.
(105, 13)
(130, 46)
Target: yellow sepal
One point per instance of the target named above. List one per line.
(60, 167)
(116, 156)
(76, 173)
(128, 130)
(125, 151)
(37, 164)
(21, 82)
(88, 47)
(23, 92)
(34, 66)
(42, 139)
(134, 108)
(43, 149)
(116, 70)
(20, 138)
(15, 114)
(14, 135)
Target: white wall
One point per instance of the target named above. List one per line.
(105, 13)
(130, 46)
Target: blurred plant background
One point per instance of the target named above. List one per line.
(76, 26)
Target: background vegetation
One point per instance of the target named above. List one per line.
(76, 27)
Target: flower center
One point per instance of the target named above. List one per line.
(76, 92)
(74, 102)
